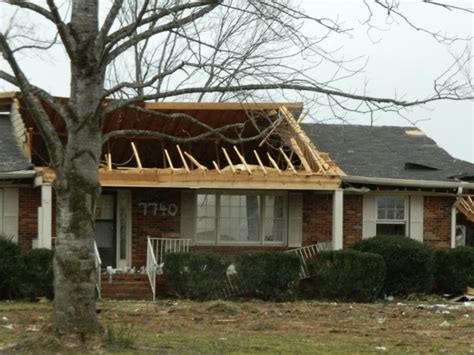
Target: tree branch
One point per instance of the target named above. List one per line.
(155, 30)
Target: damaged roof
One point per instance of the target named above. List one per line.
(388, 152)
(11, 157)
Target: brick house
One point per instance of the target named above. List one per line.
(295, 185)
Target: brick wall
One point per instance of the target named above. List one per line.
(352, 229)
(437, 221)
(161, 225)
(29, 201)
(317, 217)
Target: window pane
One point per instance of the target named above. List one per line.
(273, 223)
(206, 218)
(390, 208)
(391, 229)
(239, 218)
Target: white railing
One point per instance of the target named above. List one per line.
(162, 246)
(98, 265)
(151, 266)
(308, 252)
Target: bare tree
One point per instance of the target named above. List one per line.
(198, 50)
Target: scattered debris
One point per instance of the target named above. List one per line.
(445, 324)
(381, 348)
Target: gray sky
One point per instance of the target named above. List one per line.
(401, 61)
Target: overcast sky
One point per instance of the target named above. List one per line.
(401, 61)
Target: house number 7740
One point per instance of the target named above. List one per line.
(163, 209)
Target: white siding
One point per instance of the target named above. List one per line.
(295, 219)
(416, 218)
(10, 212)
(369, 228)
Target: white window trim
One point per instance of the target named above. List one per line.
(406, 210)
(261, 242)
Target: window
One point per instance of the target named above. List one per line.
(391, 216)
(240, 218)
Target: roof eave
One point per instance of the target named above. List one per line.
(406, 182)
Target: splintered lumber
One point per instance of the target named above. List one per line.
(260, 162)
(242, 159)
(137, 157)
(168, 158)
(195, 162)
(275, 165)
(288, 161)
(306, 142)
(228, 160)
(216, 167)
(185, 164)
(299, 153)
(275, 126)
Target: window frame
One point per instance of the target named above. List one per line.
(406, 212)
(261, 241)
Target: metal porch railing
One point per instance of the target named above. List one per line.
(155, 252)
(98, 265)
(308, 252)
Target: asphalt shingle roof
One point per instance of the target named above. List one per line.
(387, 152)
(11, 157)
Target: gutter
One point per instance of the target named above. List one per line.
(406, 182)
(459, 197)
(22, 174)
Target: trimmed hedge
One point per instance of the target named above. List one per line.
(269, 275)
(409, 263)
(37, 274)
(9, 268)
(347, 275)
(196, 275)
(454, 270)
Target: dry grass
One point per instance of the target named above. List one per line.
(171, 326)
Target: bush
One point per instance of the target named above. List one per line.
(409, 263)
(454, 270)
(347, 275)
(37, 274)
(196, 275)
(9, 268)
(269, 275)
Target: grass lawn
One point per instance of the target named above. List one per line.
(237, 327)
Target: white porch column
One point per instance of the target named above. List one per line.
(337, 219)
(45, 217)
(453, 226)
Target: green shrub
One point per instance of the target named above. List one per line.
(9, 268)
(409, 263)
(454, 270)
(196, 275)
(347, 275)
(37, 274)
(269, 275)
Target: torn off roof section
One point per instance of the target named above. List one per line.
(387, 152)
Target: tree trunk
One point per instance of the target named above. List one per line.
(77, 185)
(77, 189)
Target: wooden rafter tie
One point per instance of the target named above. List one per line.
(228, 160)
(242, 159)
(195, 162)
(275, 165)
(185, 164)
(288, 161)
(137, 157)
(260, 162)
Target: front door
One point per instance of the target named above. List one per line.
(105, 234)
